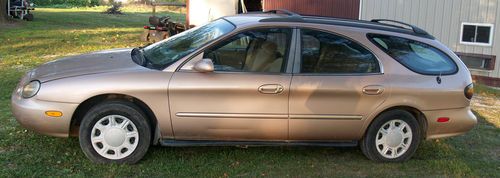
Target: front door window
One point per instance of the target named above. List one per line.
(261, 50)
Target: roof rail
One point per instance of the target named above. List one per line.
(292, 16)
(284, 11)
(413, 27)
(373, 24)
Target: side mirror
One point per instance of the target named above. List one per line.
(204, 65)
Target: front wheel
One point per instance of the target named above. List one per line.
(392, 137)
(115, 132)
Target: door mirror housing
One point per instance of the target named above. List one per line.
(204, 65)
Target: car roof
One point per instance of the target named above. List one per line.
(376, 24)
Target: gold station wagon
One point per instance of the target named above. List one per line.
(273, 78)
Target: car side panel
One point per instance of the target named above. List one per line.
(409, 88)
(423, 92)
(332, 107)
(228, 106)
(146, 85)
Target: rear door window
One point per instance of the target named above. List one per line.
(416, 56)
(328, 53)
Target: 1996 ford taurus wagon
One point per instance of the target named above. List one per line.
(274, 78)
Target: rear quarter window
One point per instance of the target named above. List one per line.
(416, 56)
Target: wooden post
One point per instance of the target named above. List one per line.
(154, 9)
(187, 14)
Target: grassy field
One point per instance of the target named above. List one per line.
(61, 32)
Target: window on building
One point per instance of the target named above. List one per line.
(475, 61)
(476, 34)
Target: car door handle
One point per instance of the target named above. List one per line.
(373, 90)
(270, 89)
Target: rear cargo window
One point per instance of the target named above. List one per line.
(416, 56)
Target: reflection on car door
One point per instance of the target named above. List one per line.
(245, 98)
(336, 85)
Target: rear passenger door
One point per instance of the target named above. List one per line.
(336, 84)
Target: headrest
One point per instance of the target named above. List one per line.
(269, 47)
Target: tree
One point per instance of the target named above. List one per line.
(3, 11)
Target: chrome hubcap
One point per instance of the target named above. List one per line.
(114, 137)
(393, 138)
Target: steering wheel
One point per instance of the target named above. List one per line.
(213, 55)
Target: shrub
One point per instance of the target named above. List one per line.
(115, 8)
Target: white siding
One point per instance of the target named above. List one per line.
(204, 11)
(496, 42)
(443, 19)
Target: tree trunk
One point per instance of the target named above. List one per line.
(3, 11)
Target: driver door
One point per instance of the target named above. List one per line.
(244, 98)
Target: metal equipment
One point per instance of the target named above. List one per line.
(20, 9)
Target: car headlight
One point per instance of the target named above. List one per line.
(31, 89)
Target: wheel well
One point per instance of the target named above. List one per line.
(85, 106)
(422, 121)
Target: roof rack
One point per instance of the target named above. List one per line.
(284, 11)
(413, 27)
(292, 16)
(373, 24)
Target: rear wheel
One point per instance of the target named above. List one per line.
(392, 137)
(115, 132)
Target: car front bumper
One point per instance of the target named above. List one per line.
(30, 113)
(461, 120)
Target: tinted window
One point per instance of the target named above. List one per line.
(416, 56)
(262, 50)
(476, 34)
(483, 34)
(328, 53)
(469, 33)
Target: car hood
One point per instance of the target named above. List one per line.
(93, 63)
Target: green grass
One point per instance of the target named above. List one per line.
(61, 32)
(486, 90)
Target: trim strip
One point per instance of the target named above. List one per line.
(232, 115)
(325, 116)
(269, 116)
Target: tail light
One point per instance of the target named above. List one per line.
(146, 27)
(469, 91)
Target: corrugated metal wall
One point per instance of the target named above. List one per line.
(443, 19)
(329, 8)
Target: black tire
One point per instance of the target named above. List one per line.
(368, 143)
(121, 108)
(29, 17)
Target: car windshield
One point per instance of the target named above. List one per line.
(164, 53)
